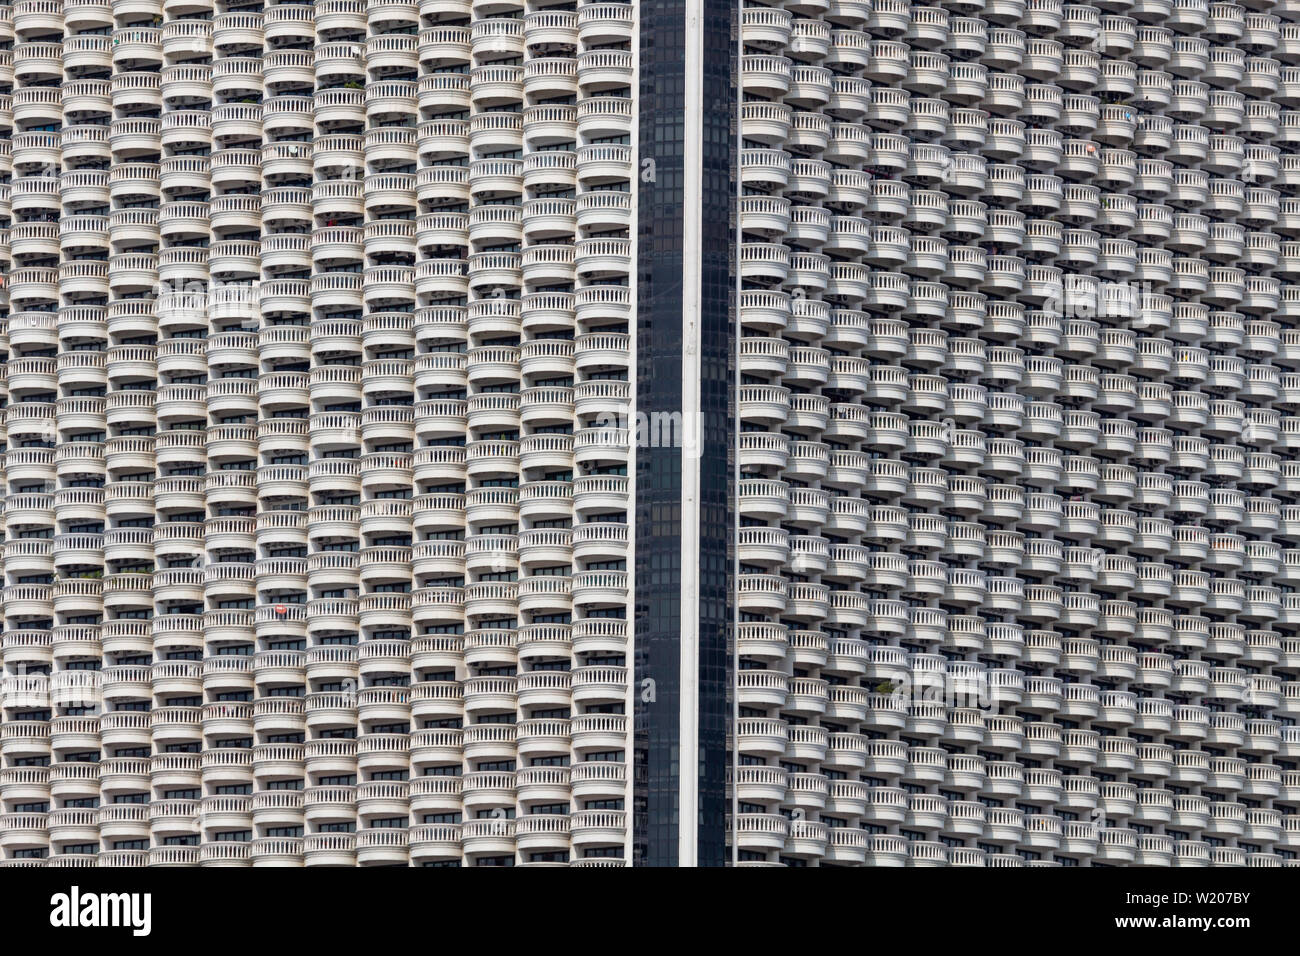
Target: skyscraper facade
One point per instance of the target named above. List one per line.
(511, 432)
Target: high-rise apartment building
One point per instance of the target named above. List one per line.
(509, 432)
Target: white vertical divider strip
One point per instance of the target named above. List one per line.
(735, 476)
(629, 794)
(692, 180)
